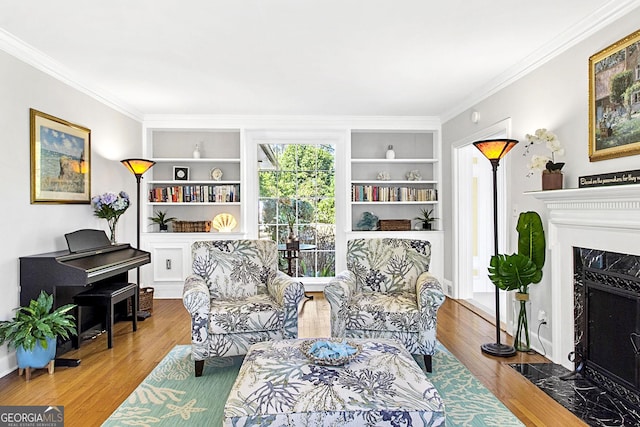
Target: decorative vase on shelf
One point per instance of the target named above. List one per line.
(521, 338)
(196, 152)
(551, 180)
(390, 153)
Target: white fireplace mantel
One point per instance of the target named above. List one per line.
(604, 218)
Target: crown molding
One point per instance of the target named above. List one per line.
(611, 11)
(37, 59)
(361, 123)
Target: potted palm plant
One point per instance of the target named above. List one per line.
(162, 220)
(34, 330)
(517, 271)
(426, 218)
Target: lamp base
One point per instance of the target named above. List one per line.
(498, 350)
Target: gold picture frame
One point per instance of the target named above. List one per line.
(60, 160)
(614, 100)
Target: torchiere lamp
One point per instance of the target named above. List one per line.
(494, 150)
(138, 167)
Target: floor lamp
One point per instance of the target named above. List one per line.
(138, 167)
(494, 150)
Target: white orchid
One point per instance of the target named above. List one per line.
(538, 162)
(552, 142)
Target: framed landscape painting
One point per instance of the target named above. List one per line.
(614, 100)
(60, 160)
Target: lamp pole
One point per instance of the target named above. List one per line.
(138, 167)
(494, 150)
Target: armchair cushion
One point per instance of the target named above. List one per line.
(235, 268)
(384, 312)
(251, 314)
(387, 265)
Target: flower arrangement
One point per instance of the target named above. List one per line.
(541, 163)
(110, 206)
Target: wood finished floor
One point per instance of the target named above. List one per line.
(105, 377)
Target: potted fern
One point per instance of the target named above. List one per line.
(34, 330)
(517, 271)
(162, 220)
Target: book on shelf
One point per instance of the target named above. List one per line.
(377, 193)
(195, 194)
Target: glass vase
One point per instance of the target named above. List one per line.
(112, 230)
(521, 340)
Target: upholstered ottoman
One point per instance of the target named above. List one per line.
(383, 386)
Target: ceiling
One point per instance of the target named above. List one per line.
(295, 57)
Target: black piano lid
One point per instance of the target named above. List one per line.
(87, 240)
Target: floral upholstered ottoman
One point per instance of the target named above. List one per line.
(382, 386)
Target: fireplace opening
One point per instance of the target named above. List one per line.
(607, 320)
(612, 322)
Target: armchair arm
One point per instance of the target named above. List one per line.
(287, 292)
(339, 292)
(429, 293)
(195, 295)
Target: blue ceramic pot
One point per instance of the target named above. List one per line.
(38, 357)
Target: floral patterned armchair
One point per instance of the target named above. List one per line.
(237, 296)
(387, 292)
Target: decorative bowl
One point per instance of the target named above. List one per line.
(306, 345)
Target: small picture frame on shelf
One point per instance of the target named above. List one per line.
(180, 173)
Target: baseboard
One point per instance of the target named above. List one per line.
(447, 286)
(314, 287)
(169, 291)
(536, 341)
(8, 363)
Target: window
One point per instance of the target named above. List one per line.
(297, 199)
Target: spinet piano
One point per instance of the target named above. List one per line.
(90, 261)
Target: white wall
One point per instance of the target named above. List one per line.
(28, 229)
(554, 96)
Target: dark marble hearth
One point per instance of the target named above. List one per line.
(587, 401)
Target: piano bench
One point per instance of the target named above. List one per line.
(107, 296)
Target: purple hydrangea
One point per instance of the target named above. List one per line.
(110, 205)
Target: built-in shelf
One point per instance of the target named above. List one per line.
(194, 160)
(392, 161)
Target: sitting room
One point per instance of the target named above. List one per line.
(321, 213)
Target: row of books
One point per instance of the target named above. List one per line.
(195, 194)
(375, 193)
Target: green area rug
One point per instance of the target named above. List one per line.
(172, 396)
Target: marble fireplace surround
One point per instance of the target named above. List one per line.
(603, 218)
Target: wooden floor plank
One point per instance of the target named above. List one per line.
(106, 377)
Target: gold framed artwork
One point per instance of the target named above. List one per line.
(60, 160)
(614, 100)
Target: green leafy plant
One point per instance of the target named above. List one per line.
(36, 323)
(161, 219)
(531, 241)
(512, 272)
(518, 271)
(426, 217)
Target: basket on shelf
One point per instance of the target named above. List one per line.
(394, 224)
(191, 226)
(145, 300)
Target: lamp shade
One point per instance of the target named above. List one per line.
(495, 149)
(138, 166)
